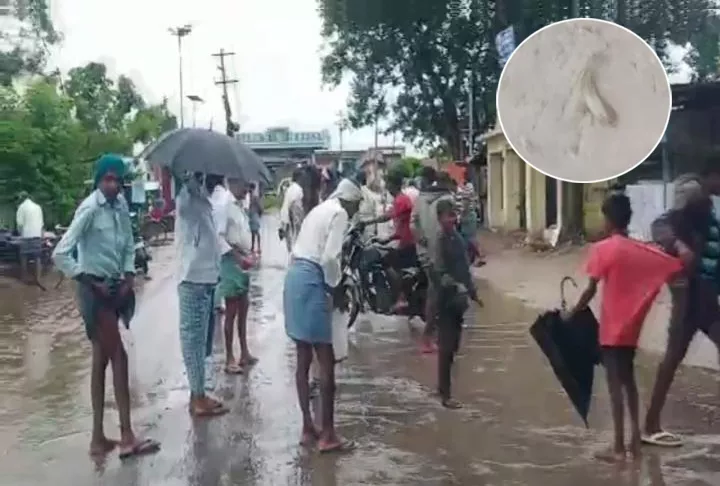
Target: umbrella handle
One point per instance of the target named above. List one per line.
(563, 301)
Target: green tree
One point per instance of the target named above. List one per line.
(416, 56)
(26, 47)
(39, 138)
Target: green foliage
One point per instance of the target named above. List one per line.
(412, 166)
(411, 60)
(49, 139)
(26, 48)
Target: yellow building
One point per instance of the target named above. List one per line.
(521, 198)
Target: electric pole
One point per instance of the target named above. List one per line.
(231, 128)
(181, 32)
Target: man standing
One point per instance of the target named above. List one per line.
(426, 229)
(101, 233)
(691, 231)
(293, 193)
(307, 302)
(220, 198)
(30, 225)
(236, 245)
(199, 274)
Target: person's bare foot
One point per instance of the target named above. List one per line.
(309, 436)
(103, 446)
(612, 455)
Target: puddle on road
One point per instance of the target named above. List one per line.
(517, 428)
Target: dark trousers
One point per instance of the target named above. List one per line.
(449, 329)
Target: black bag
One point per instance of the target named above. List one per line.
(573, 350)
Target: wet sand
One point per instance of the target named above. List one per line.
(517, 427)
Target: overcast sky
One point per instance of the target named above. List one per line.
(277, 60)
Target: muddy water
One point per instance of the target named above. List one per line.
(516, 428)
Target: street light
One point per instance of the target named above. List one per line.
(195, 100)
(181, 32)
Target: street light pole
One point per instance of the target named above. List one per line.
(181, 32)
(195, 101)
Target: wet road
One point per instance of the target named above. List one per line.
(516, 428)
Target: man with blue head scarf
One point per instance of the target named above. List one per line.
(101, 232)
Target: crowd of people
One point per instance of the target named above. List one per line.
(218, 222)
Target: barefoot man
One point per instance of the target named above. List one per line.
(234, 283)
(307, 300)
(104, 270)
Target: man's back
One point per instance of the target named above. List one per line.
(30, 219)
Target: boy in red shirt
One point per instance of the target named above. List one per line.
(632, 274)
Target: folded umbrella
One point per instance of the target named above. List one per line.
(201, 150)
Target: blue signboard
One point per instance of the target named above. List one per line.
(505, 44)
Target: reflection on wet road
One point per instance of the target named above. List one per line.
(516, 428)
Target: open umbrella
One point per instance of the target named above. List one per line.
(201, 150)
(573, 351)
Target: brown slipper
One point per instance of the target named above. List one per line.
(202, 412)
(139, 448)
(340, 447)
(234, 369)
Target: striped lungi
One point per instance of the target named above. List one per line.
(196, 304)
(308, 313)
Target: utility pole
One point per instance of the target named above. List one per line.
(181, 32)
(231, 128)
(341, 124)
(471, 117)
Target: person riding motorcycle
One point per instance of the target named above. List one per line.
(403, 254)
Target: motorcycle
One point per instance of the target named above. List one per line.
(366, 284)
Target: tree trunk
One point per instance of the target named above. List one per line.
(621, 12)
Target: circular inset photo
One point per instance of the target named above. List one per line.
(584, 100)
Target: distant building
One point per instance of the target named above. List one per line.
(345, 161)
(280, 148)
(384, 156)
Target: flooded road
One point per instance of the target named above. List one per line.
(517, 428)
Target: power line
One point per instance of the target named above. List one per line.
(231, 128)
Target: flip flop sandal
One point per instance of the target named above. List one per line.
(234, 369)
(662, 439)
(209, 412)
(248, 363)
(342, 447)
(140, 448)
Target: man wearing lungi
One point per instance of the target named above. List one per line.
(307, 299)
(101, 233)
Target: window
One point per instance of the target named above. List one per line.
(7, 8)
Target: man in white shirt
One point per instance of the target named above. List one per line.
(234, 231)
(308, 306)
(220, 198)
(293, 193)
(29, 219)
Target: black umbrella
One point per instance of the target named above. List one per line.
(573, 351)
(201, 150)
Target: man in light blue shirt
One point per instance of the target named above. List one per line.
(101, 233)
(199, 274)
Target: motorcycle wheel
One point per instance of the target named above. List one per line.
(352, 294)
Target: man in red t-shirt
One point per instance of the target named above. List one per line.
(405, 255)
